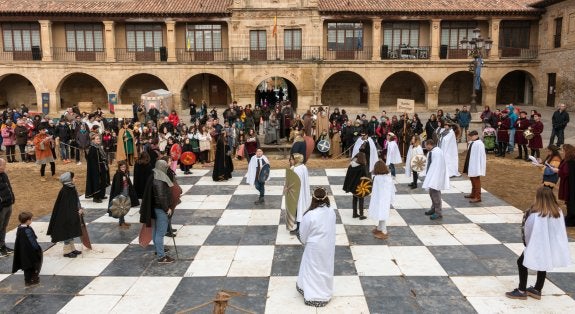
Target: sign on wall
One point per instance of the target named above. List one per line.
(112, 101)
(124, 111)
(405, 105)
(45, 103)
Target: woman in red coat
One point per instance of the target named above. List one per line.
(567, 183)
(536, 143)
(503, 125)
(174, 119)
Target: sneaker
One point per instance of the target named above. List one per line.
(97, 200)
(430, 212)
(534, 293)
(362, 217)
(166, 250)
(70, 255)
(76, 252)
(516, 294)
(381, 235)
(31, 283)
(3, 253)
(166, 260)
(170, 234)
(435, 216)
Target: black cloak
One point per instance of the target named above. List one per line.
(117, 190)
(299, 147)
(147, 206)
(223, 165)
(65, 220)
(352, 177)
(141, 174)
(97, 174)
(25, 256)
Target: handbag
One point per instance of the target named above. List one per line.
(204, 145)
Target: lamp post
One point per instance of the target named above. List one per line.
(477, 47)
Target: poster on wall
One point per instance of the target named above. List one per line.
(406, 105)
(45, 103)
(112, 101)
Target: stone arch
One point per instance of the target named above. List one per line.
(205, 86)
(82, 89)
(278, 88)
(456, 89)
(516, 87)
(345, 89)
(134, 86)
(402, 84)
(16, 89)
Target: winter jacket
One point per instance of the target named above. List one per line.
(8, 136)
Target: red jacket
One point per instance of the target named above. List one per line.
(174, 119)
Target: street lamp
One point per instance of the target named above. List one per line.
(477, 47)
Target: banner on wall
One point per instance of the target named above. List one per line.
(45, 103)
(112, 101)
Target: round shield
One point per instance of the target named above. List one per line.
(176, 151)
(418, 163)
(120, 206)
(188, 158)
(264, 173)
(363, 188)
(528, 134)
(323, 146)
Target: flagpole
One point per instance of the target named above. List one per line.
(276, 33)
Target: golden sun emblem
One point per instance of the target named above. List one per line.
(363, 189)
(418, 163)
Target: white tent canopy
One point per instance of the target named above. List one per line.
(158, 97)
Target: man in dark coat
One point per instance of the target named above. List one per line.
(223, 165)
(559, 121)
(97, 175)
(65, 223)
(503, 125)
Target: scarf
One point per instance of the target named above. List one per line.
(160, 172)
(66, 179)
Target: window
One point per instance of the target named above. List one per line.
(453, 32)
(20, 36)
(144, 37)
(345, 36)
(557, 37)
(205, 37)
(401, 34)
(515, 34)
(292, 39)
(84, 37)
(258, 40)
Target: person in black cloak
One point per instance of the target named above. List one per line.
(122, 185)
(355, 171)
(142, 171)
(97, 174)
(65, 222)
(223, 166)
(27, 251)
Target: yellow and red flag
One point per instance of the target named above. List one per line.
(275, 29)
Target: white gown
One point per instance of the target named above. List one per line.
(436, 176)
(393, 156)
(304, 193)
(253, 167)
(412, 152)
(547, 245)
(382, 196)
(317, 233)
(448, 145)
(373, 154)
(477, 160)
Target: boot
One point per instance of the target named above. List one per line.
(361, 216)
(413, 185)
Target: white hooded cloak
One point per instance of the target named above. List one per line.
(448, 145)
(373, 155)
(393, 156)
(436, 176)
(253, 167)
(546, 243)
(412, 152)
(382, 196)
(477, 160)
(304, 193)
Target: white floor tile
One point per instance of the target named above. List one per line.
(517, 248)
(504, 210)
(193, 235)
(473, 210)
(340, 235)
(219, 252)
(511, 218)
(210, 181)
(40, 228)
(479, 286)
(374, 260)
(91, 304)
(316, 180)
(254, 253)
(337, 189)
(141, 304)
(51, 265)
(277, 173)
(284, 298)
(250, 268)
(470, 234)
(285, 238)
(235, 217)
(395, 219)
(3, 276)
(193, 198)
(264, 218)
(486, 219)
(109, 285)
(149, 286)
(347, 286)
(85, 267)
(208, 268)
(405, 201)
(511, 282)
(347, 219)
(409, 260)
(340, 172)
(345, 304)
(504, 305)
(434, 235)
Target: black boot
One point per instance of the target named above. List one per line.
(361, 216)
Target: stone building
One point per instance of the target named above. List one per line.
(348, 53)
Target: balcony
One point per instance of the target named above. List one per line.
(216, 55)
(63, 54)
(35, 54)
(140, 55)
(405, 52)
(518, 53)
(364, 53)
(279, 53)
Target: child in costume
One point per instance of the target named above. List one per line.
(382, 195)
(27, 251)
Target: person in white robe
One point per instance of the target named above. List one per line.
(304, 198)
(254, 167)
(475, 165)
(436, 178)
(448, 145)
(370, 151)
(546, 243)
(393, 155)
(382, 196)
(317, 234)
(415, 149)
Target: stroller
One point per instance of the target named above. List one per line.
(489, 139)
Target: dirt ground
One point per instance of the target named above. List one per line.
(511, 180)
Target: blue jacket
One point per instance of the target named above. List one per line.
(464, 117)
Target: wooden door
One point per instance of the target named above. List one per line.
(551, 85)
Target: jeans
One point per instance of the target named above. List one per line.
(260, 187)
(5, 213)
(52, 169)
(160, 227)
(511, 144)
(64, 150)
(559, 132)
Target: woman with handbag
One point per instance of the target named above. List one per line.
(204, 139)
(122, 185)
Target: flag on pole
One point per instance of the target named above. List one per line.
(275, 29)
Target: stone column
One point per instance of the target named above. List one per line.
(435, 31)
(489, 98)
(432, 99)
(110, 41)
(494, 34)
(171, 30)
(376, 33)
(46, 39)
(373, 102)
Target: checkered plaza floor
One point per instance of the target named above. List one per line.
(464, 263)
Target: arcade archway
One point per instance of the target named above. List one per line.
(345, 89)
(16, 90)
(515, 87)
(456, 89)
(211, 88)
(133, 88)
(404, 85)
(82, 89)
(276, 89)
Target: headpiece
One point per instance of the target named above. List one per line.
(298, 158)
(317, 191)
